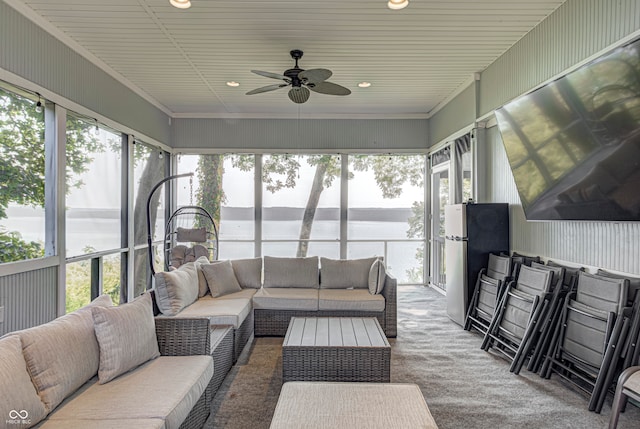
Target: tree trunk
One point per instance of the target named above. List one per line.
(153, 172)
(211, 196)
(310, 210)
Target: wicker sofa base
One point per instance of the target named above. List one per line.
(242, 335)
(199, 413)
(274, 323)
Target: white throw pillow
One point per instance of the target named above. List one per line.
(20, 401)
(221, 278)
(203, 287)
(377, 274)
(176, 289)
(126, 335)
(63, 354)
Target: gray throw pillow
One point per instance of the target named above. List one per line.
(377, 274)
(221, 278)
(291, 272)
(126, 335)
(248, 272)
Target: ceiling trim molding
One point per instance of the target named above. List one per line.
(263, 151)
(30, 14)
(301, 116)
(464, 85)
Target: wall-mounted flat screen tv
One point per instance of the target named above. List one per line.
(574, 145)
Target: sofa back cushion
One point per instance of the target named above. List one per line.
(176, 289)
(63, 354)
(203, 287)
(345, 273)
(291, 272)
(19, 397)
(126, 335)
(248, 272)
(221, 278)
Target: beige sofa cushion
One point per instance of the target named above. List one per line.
(291, 272)
(377, 273)
(17, 393)
(286, 299)
(63, 354)
(219, 311)
(166, 388)
(244, 293)
(248, 272)
(104, 424)
(350, 299)
(126, 335)
(221, 278)
(345, 273)
(176, 289)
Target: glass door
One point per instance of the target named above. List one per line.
(440, 191)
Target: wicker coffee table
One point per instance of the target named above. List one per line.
(335, 349)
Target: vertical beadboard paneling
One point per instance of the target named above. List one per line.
(457, 114)
(32, 53)
(609, 245)
(29, 299)
(574, 32)
(303, 134)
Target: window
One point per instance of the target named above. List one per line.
(94, 177)
(301, 205)
(22, 178)
(386, 212)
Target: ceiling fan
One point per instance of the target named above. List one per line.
(301, 81)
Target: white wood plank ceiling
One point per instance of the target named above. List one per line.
(414, 58)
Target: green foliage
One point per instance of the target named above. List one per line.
(391, 172)
(78, 290)
(14, 248)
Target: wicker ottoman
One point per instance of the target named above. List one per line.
(335, 349)
(315, 405)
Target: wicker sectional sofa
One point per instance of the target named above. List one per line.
(260, 295)
(100, 367)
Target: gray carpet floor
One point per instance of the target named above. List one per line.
(464, 386)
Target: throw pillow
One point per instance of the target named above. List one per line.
(63, 354)
(221, 278)
(248, 272)
(191, 235)
(291, 272)
(377, 274)
(176, 289)
(203, 287)
(20, 401)
(126, 335)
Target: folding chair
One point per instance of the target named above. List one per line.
(587, 339)
(628, 387)
(521, 306)
(487, 293)
(518, 260)
(568, 284)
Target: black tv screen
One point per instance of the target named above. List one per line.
(574, 144)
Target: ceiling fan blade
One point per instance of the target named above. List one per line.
(269, 74)
(267, 88)
(315, 75)
(299, 94)
(329, 88)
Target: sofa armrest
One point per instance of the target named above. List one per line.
(389, 292)
(183, 336)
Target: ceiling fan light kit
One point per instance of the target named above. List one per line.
(397, 4)
(180, 4)
(301, 81)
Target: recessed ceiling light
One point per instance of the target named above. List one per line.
(180, 4)
(397, 4)
(364, 84)
(233, 83)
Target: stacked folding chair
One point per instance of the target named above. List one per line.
(488, 291)
(522, 305)
(518, 260)
(588, 340)
(565, 278)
